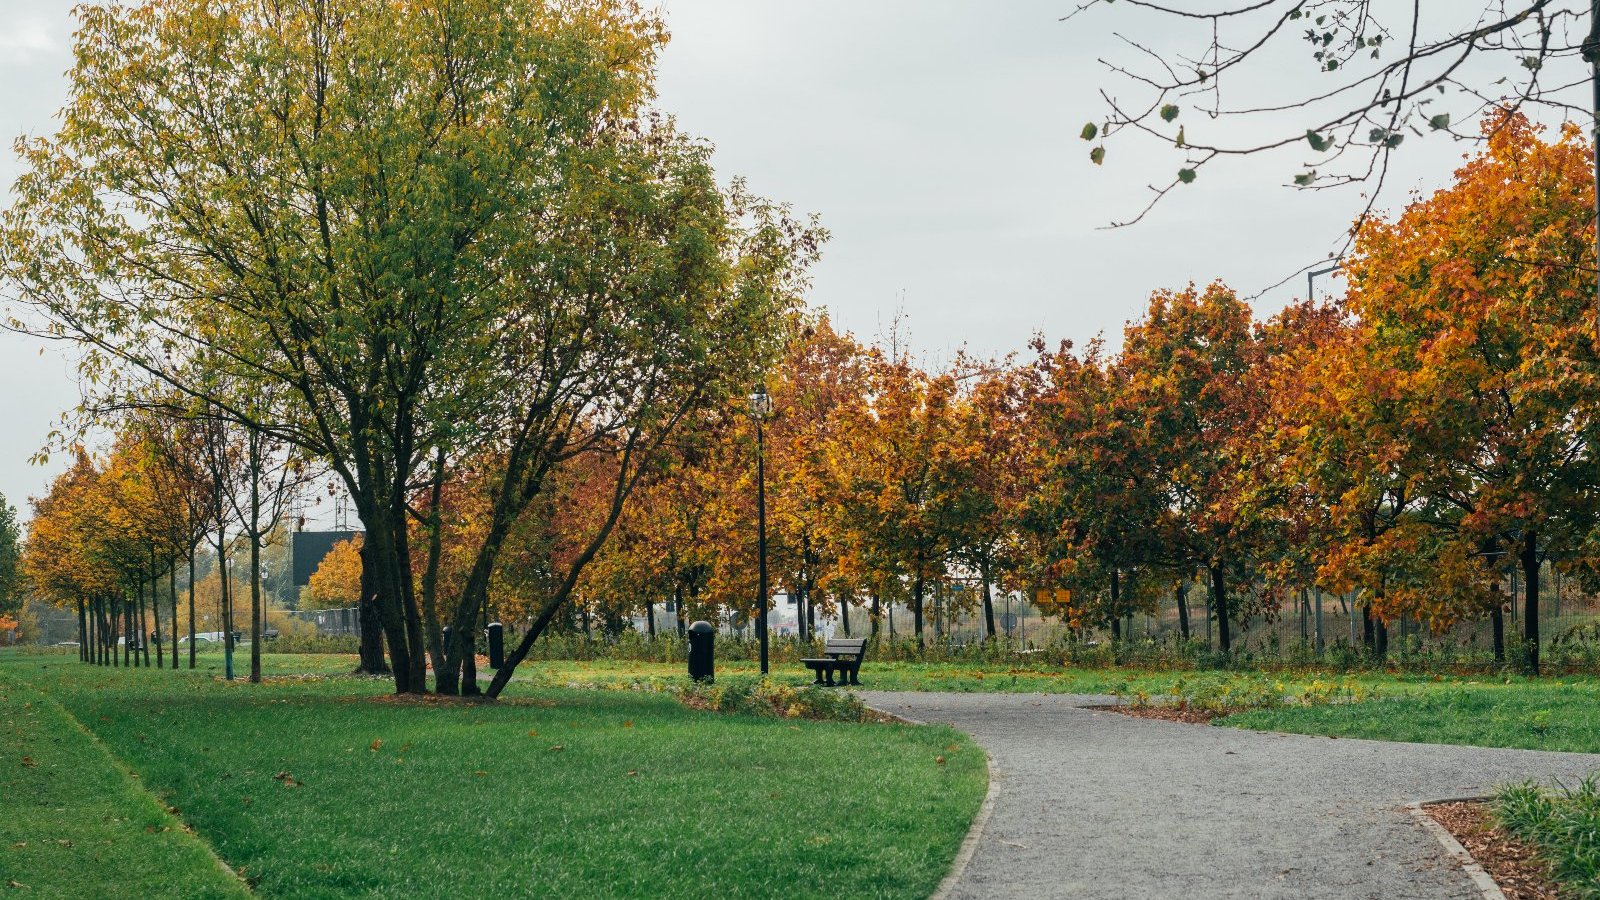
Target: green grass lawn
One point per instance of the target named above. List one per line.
(1532, 714)
(324, 787)
(1487, 711)
(75, 824)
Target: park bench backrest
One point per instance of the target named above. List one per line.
(845, 647)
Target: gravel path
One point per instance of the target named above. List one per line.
(1094, 804)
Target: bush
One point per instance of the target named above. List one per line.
(1564, 825)
(312, 643)
(765, 697)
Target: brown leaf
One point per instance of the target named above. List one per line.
(557, 747)
(28, 762)
(376, 743)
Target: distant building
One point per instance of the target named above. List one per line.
(308, 549)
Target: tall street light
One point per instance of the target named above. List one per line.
(760, 409)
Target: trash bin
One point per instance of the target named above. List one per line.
(497, 645)
(702, 652)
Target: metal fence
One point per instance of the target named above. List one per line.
(330, 621)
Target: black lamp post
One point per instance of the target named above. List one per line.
(760, 409)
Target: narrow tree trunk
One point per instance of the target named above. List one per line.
(155, 618)
(1219, 589)
(1497, 622)
(1530, 604)
(677, 604)
(83, 633)
(1367, 636)
(876, 616)
(916, 608)
(988, 603)
(1182, 593)
(192, 549)
(650, 617)
(1116, 606)
(225, 604)
(844, 614)
(1381, 633)
(172, 591)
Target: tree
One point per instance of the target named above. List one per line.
(337, 581)
(894, 517)
(1188, 371)
(11, 594)
(1474, 304)
(1386, 73)
(1095, 509)
(492, 246)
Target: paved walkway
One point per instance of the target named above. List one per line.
(1094, 804)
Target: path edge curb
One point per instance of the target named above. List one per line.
(969, 844)
(1480, 878)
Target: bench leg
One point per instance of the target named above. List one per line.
(854, 672)
(818, 672)
(830, 676)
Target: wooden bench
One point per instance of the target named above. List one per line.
(841, 655)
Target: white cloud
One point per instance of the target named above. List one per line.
(21, 42)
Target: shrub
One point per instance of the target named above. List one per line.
(1564, 825)
(765, 697)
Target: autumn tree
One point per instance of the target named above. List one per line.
(1188, 375)
(337, 581)
(1474, 305)
(1093, 512)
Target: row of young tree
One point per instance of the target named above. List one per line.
(1412, 443)
(113, 536)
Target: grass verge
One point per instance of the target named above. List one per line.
(323, 786)
(76, 824)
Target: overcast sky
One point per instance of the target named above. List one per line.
(938, 141)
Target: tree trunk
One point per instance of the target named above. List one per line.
(1219, 590)
(677, 605)
(83, 633)
(844, 613)
(225, 604)
(1116, 606)
(155, 617)
(1381, 633)
(1530, 604)
(172, 591)
(1497, 622)
(1367, 637)
(876, 616)
(369, 621)
(1182, 593)
(192, 549)
(989, 630)
(650, 618)
(445, 678)
(916, 608)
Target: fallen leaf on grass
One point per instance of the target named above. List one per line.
(633, 773)
(28, 762)
(939, 760)
(628, 724)
(376, 743)
(480, 773)
(13, 883)
(533, 732)
(555, 747)
(287, 779)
